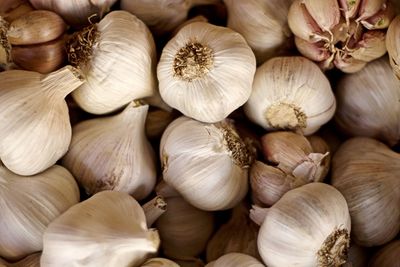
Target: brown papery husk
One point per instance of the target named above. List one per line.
(80, 46)
(5, 46)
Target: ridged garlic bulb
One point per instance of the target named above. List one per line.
(117, 56)
(309, 226)
(290, 93)
(112, 153)
(108, 229)
(206, 163)
(35, 130)
(28, 205)
(235, 260)
(206, 71)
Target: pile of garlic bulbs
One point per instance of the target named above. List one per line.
(199, 133)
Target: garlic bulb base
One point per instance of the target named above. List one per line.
(286, 116)
(335, 249)
(79, 46)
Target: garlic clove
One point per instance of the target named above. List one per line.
(314, 51)
(349, 8)
(393, 45)
(159, 262)
(326, 13)
(165, 190)
(108, 229)
(349, 64)
(371, 46)
(387, 256)
(18, 11)
(380, 20)
(157, 121)
(368, 8)
(32, 260)
(235, 259)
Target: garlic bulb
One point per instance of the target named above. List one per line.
(112, 153)
(262, 23)
(162, 16)
(206, 163)
(339, 33)
(206, 64)
(117, 55)
(234, 260)
(28, 205)
(184, 229)
(393, 45)
(75, 12)
(108, 229)
(35, 130)
(309, 226)
(367, 173)
(368, 103)
(159, 262)
(387, 256)
(32, 260)
(290, 93)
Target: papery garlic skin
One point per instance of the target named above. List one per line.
(393, 45)
(203, 65)
(235, 259)
(112, 153)
(387, 256)
(290, 93)
(206, 163)
(28, 205)
(118, 60)
(108, 229)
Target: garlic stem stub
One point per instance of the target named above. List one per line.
(290, 93)
(206, 71)
(235, 259)
(393, 45)
(117, 55)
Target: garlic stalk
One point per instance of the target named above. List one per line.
(290, 93)
(367, 173)
(32, 260)
(35, 130)
(393, 45)
(153, 209)
(387, 256)
(206, 64)
(28, 205)
(108, 229)
(368, 103)
(309, 226)
(262, 23)
(206, 163)
(235, 259)
(118, 57)
(159, 262)
(112, 153)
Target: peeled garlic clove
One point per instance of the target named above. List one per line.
(313, 51)
(368, 8)
(235, 259)
(367, 172)
(32, 260)
(112, 153)
(290, 93)
(309, 226)
(393, 45)
(326, 13)
(206, 163)
(184, 229)
(349, 8)
(35, 131)
(387, 256)
(205, 64)
(368, 103)
(159, 262)
(371, 46)
(28, 205)
(108, 229)
(117, 55)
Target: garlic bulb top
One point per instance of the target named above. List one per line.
(112, 153)
(393, 45)
(234, 260)
(290, 93)
(108, 229)
(206, 71)
(309, 226)
(262, 23)
(368, 103)
(28, 205)
(34, 123)
(117, 55)
(206, 163)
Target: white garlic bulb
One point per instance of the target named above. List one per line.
(108, 229)
(262, 23)
(393, 44)
(35, 130)
(368, 103)
(206, 163)
(290, 93)
(28, 205)
(206, 71)
(117, 56)
(159, 262)
(234, 260)
(309, 226)
(112, 153)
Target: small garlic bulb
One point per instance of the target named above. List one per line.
(206, 64)
(367, 173)
(206, 163)
(32, 260)
(309, 226)
(112, 153)
(159, 262)
(368, 103)
(35, 130)
(388, 256)
(28, 205)
(117, 55)
(184, 229)
(234, 260)
(393, 45)
(108, 229)
(262, 23)
(290, 93)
